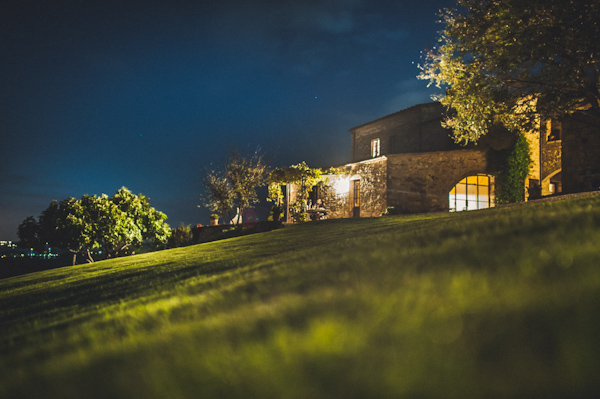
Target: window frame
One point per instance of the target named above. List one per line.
(375, 148)
(469, 192)
(555, 127)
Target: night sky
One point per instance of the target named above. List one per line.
(96, 95)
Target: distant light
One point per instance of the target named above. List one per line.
(315, 97)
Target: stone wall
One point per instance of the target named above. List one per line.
(421, 182)
(550, 152)
(424, 163)
(335, 195)
(533, 138)
(416, 129)
(580, 154)
(372, 178)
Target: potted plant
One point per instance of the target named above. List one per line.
(214, 219)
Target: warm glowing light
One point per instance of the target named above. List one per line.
(341, 185)
(471, 193)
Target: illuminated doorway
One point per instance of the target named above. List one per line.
(471, 193)
(356, 198)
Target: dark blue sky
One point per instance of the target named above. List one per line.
(96, 95)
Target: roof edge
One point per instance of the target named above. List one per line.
(395, 113)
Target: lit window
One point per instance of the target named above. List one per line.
(471, 193)
(375, 148)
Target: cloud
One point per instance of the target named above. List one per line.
(382, 38)
(321, 20)
(329, 16)
(410, 92)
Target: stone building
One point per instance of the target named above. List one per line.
(569, 156)
(408, 161)
(565, 156)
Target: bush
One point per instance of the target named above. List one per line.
(181, 236)
(513, 170)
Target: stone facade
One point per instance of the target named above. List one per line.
(566, 156)
(360, 191)
(580, 154)
(408, 161)
(420, 182)
(371, 176)
(418, 157)
(533, 184)
(550, 157)
(414, 130)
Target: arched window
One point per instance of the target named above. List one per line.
(471, 193)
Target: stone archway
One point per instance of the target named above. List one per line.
(475, 191)
(420, 182)
(552, 184)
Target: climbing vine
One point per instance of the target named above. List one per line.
(301, 175)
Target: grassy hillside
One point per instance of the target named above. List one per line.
(489, 304)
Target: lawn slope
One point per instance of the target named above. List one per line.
(499, 303)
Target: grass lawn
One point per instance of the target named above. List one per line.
(502, 303)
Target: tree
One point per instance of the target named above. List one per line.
(181, 236)
(218, 196)
(514, 62)
(143, 222)
(236, 185)
(28, 233)
(107, 227)
(111, 225)
(245, 175)
(63, 225)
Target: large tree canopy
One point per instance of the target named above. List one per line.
(112, 225)
(515, 61)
